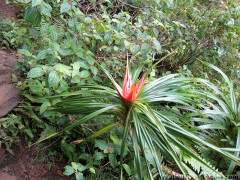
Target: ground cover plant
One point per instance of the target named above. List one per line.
(65, 46)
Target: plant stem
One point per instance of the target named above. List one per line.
(124, 139)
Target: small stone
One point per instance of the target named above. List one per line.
(9, 95)
(9, 98)
(10, 62)
(5, 79)
(4, 70)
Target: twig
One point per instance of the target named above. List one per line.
(87, 128)
(92, 124)
(67, 30)
(175, 174)
(50, 144)
(133, 6)
(103, 166)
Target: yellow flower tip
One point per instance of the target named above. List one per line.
(78, 141)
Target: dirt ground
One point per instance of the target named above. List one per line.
(24, 164)
(7, 11)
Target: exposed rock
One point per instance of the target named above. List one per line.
(10, 62)
(4, 69)
(5, 78)
(9, 95)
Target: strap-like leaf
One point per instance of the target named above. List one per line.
(124, 139)
(96, 133)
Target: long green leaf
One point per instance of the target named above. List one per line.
(80, 121)
(124, 139)
(96, 133)
(236, 154)
(149, 113)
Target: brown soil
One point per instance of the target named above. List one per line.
(25, 164)
(7, 11)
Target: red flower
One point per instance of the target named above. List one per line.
(129, 91)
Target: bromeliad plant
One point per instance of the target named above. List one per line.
(139, 110)
(220, 110)
(129, 91)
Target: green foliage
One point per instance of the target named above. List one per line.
(32, 15)
(103, 158)
(60, 41)
(10, 128)
(8, 34)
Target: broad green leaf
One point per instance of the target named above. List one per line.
(32, 15)
(80, 167)
(24, 52)
(96, 78)
(80, 53)
(88, 20)
(127, 169)
(98, 37)
(156, 32)
(36, 2)
(107, 37)
(76, 66)
(42, 54)
(98, 155)
(63, 69)
(90, 60)
(84, 74)
(101, 144)
(35, 86)
(79, 28)
(115, 139)
(68, 170)
(127, 43)
(68, 151)
(34, 32)
(45, 9)
(92, 170)
(65, 52)
(35, 72)
(65, 7)
(79, 176)
(54, 34)
(134, 49)
(53, 78)
(44, 106)
(157, 45)
(71, 23)
(145, 49)
(74, 165)
(64, 85)
(94, 70)
(57, 56)
(112, 160)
